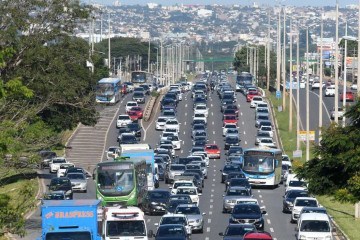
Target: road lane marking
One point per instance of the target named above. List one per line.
(271, 230)
(213, 123)
(186, 105)
(212, 105)
(211, 206)
(207, 238)
(214, 179)
(260, 196)
(258, 191)
(214, 132)
(213, 185)
(208, 229)
(209, 220)
(211, 195)
(184, 123)
(212, 114)
(184, 132)
(148, 220)
(268, 221)
(210, 213)
(245, 142)
(211, 200)
(244, 133)
(243, 123)
(239, 105)
(241, 113)
(212, 190)
(186, 114)
(181, 151)
(262, 201)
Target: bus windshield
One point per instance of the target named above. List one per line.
(114, 182)
(68, 235)
(125, 228)
(258, 164)
(105, 89)
(138, 77)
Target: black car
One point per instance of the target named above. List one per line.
(238, 182)
(174, 203)
(134, 128)
(61, 184)
(229, 169)
(231, 141)
(237, 231)
(235, 150)
(289, 198)
(248, 213)
(198, 121)
(171, 232)
(128, 138)
(155, 201)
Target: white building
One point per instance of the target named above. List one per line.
(204, 13)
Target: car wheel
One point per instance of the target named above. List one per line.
(85, 191)
(292, 220)
(201, 230)
(224, 210)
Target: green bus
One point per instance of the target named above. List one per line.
(122, 182)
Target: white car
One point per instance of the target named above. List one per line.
(301, 202)
(181, 183)
(130, 104)
(314, 226)
(354, 86)
(123, 120)
(254, 102)
(55, 164)
(173, 137)
(229, 126)
(315, 85)
(201, 108)
(330, 91)
(63, 168)
(261, 105)
(160, 123)
(192, 192)
(268, 129)
(172, 123)
(267, 142)
(204, 156)
(295, 184)
(200, 116)
(173, 218)
(112, 152)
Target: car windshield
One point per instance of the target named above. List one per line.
(306, 203)
(128, 137)
(262, 110)
(238, 230)
(123, 117)
(315, 226)
(247, 208)
(266, 128)
(189, 191)
(200, 107)
(188, 210)
(177, 167)
(237, 192)
(159, 195)
(231, 168)
(183, 184)
(131, 104)
(169, 230)
(75, 176)
(125, 228)
(173, 220)
(297, 184)
(59, 161)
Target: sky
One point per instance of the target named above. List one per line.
(240, 2)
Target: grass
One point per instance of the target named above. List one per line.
(343, 213)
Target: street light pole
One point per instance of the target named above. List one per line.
(284, 64)
(291, 82)
(337, 64)
(358, 56)
(344, 78)
(109, 46)
(297, 94)
(307, 98)
(321, 77)
(268, 56)
(278, 55)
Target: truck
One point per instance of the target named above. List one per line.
(70, 219)
(124, 223)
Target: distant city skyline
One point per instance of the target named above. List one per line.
(342, 3)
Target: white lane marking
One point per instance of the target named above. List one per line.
(214, 180)
(186, 105)
(214, 170)
(208, 229)
(211, 200)
(210, 213)
(184, 123)
(241, 113)
(182, 151)
(260, 196)
(186, 114)
(212, 105)
(184, 132)
(271, 230)
(246, 142)
(268, 221)
(211, 195)
(212, 190)
(213, 123)
(214, 132)
(244, 133)
(148, 220)
(212, 114)
(211, 206)
(209, 220)
(258, 191)
(207, 238)
(213, 185)
(243, 123)
(239, 105)
(214, 165)
(262, 201)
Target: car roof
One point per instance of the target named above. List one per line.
(314, 216)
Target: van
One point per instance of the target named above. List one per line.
(130, 147)
(314, 226)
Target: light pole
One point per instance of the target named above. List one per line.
(307, 98)
(336, 117)
(297, 94)
(321, 77)
(291, 82)
(284, 64)
(157, 64)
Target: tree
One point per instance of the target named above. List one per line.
(336, 169)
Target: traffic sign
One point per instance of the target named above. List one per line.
(278, 94)
(302, 135)
(297, 154)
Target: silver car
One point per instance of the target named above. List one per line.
(232, 196)
(172, 171)
(260, 135)
(193, 214)
(203, 167)
(78, 181)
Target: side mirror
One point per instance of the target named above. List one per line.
(156, 224)
(203, 213)
(199, 194)
(221, 234)
(263, 212)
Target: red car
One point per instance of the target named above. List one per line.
(257, 236)
(133, 115)
(138, 111)
(251, 94)
(212, 150)
(349, 97)
(230, 119)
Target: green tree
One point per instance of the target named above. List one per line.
(336, 170)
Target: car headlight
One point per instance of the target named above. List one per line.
(68, 192)
(153, 203)
(198, 220)
(258, 220)
(289, 203)
(328, 238)
(302, 237)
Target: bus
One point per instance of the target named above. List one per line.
(108, 90)
(141, 77)
(262, 166)
(122, 182)
(242, 79)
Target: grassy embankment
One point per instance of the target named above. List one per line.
(343, 213)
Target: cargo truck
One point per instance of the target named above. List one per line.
(71, 219)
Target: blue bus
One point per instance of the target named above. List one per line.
(141, 77)
(262, 166)
(242, 79)
(108, 90)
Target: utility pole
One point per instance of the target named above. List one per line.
(358, 56)
(284, 64)
(149, 55)
(268, 56)
(337, 64)
(291, 82)
(109, 47)
(344, 78)
(297, 93)
(161, 62)
(307, 98)
(278, 55)
(321, 76)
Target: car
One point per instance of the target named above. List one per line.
(203, 167)
(232, 195)
(261, 111)
(200, 116)
(260, 135)
(314, 226)
(134, 128)
(175, 141)
(183, 197)
(197, 128)
(54, 195)
(61, 184)
(255, 100)
(261, 118)
(289, 198)
(172, 171)
(232, 107)
(128, 138)
(197, 179)
(354, 86)
(76, 170)
(237, 150)
(172, 123)
(261, 105)
(78, 181)
(155, 201)
(313, 210)
(171, 231)
(181, 183)
(168, 114)
(301, 202)
(198, 134)
(268, 129)
(267, 142)
(130, 104)
(264, 123)
(201, 108)
(230, 119)
(63, 168)
(237, 180)
(228, 126)
(123, 120)
(237, 231)
(133, 116)
(194, 215)
(172, 218)
(285, 171)
(228, 169)
(315, 85)
(146, 88)
(248, 213)
(341, 113)
(138, 110)
(349, 97)
(213, 151)
(295, 183)
(191, 191)
(138, 96)
(174, 203)
(112, 152)
(330, 91)
(55, 163)
(160, 123)
(46, 156)
(251, 94)
(256, 235)
(231, 141)
(235, 159)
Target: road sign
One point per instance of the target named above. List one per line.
(297, 154)
(278, 94)
(302, 135)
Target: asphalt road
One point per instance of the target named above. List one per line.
(276, 222)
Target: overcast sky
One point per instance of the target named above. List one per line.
(241, 2)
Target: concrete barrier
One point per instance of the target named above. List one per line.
(149, 107)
